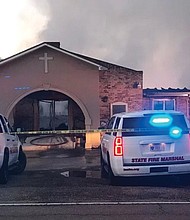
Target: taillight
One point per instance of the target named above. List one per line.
(118, 146)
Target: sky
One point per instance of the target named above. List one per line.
(148, 35)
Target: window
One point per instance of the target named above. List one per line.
(116, 125)
(8, 125)
(53, 115)
(118, 107)
(110, 125)
(164, 104)
(142, 126)
(3, 124)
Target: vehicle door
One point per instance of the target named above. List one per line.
(107, 138)
(11, 141)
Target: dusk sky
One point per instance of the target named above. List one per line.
(148, 35)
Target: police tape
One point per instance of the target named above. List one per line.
(73, 131)
(80, 131)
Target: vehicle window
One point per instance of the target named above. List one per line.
(8, 125)
(110, 124)
(3, 124)
(141, 126)
(116, 125)
(1, 128)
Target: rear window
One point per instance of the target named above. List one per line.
(143, 126)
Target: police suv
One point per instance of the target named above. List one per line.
(145, 143)
(12, 157)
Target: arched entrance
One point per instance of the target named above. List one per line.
(47, 110)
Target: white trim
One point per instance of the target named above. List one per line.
(52, 47)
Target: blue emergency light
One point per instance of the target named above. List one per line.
(161, 120)
(175, 132)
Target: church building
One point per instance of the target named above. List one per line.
(49, 88)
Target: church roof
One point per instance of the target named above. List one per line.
(52, 45)
(106, 64)
(56, 46)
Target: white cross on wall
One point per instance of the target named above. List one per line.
(45, 58)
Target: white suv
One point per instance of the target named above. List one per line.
(12, 157)
(145, 143)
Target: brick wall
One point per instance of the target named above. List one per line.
(182, 105)
(120, 85)
(147, 103)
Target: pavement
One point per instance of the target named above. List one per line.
(59, 153)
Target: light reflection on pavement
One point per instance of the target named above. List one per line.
(62, 159)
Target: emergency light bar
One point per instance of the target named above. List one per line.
(175, 132)
(161, 120)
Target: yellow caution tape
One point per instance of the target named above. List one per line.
(65, 131)
(78, 131)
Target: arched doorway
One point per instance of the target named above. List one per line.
(47, 110)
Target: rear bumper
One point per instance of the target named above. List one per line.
(127, 171)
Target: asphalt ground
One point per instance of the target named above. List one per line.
(76, 162)
(64, 183)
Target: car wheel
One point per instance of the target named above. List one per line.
(4, 170)
(21, 163)
(104, 173)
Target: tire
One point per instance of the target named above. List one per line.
(4, 173)
(104, 173)
(20, 167)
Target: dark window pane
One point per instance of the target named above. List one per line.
(118, 109)
(53, 115)
(4, 124)
(169, 104)
(117, 123)
(158, 105)
(110, 123)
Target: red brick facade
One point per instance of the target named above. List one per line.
(119, 84)
(182, 105)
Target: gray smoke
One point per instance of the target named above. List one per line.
(148, 35)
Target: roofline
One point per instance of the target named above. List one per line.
(105, 63)
(171, 94)
(166, 92)
(27, 51)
